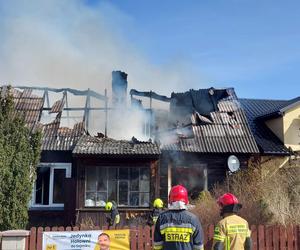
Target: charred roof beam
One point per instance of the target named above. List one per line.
(88, 92)
(150, 94)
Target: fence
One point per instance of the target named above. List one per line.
(141, 238)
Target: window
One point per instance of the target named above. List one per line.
(193, 177)
(126, 186)
(49, 185)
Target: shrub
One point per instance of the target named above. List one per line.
(19, 155)
(273, 198)
(207, 209)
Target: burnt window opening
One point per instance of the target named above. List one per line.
(128, 187)
(193, 177)
(42, 186)
(50, 184)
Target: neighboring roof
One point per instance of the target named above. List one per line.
(88, 145)
(257, 109)
(54, 137)
(217, 124)
(268, 109)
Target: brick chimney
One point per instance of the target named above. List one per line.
(119, 88)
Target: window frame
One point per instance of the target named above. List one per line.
(57, 165)
(118, 180)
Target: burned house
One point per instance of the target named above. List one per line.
(204, 135)
(207, 130)
(78, 172)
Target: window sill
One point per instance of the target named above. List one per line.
(46, 208)
(120, 209)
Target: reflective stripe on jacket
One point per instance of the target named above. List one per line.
(178, 230)
(155, 213)
(232, 231)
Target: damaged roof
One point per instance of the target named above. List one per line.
(89, 145)
(29, 105)
(257, 110)
(61, 138)
(215, 120)
(54, 137)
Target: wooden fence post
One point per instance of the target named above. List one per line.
(261, 237)
(297, 237)
(39, 238)
(276, 238)
(269, 237)
(148, 242)
(282, 237)
(290, 237)
(208, 236)
(133, 241)
(254, 237)
(32, 241)
(152, 235)
(140, 236)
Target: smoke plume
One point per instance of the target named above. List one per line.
(69, 43)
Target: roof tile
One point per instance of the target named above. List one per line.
(89, 145)
(267, 141)
(228, 133)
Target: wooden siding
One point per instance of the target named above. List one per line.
(56, 156)
(97, 217)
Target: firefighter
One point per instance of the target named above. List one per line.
(177, 228)
(114, 217)
(158, 205)
(232, 232)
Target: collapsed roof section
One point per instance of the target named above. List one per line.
(29, 105)
(208, 121)
(55, 135)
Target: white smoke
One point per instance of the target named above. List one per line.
(66, 43)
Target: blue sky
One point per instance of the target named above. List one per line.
(251, 45)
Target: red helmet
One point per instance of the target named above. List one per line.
(178, 193)
(227, 199)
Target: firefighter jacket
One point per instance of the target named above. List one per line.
(113, 217)
(153, 216)
(178, 230)
(232, 233)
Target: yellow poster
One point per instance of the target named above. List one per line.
(113, 240)
(87, 240)
(51, 247)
